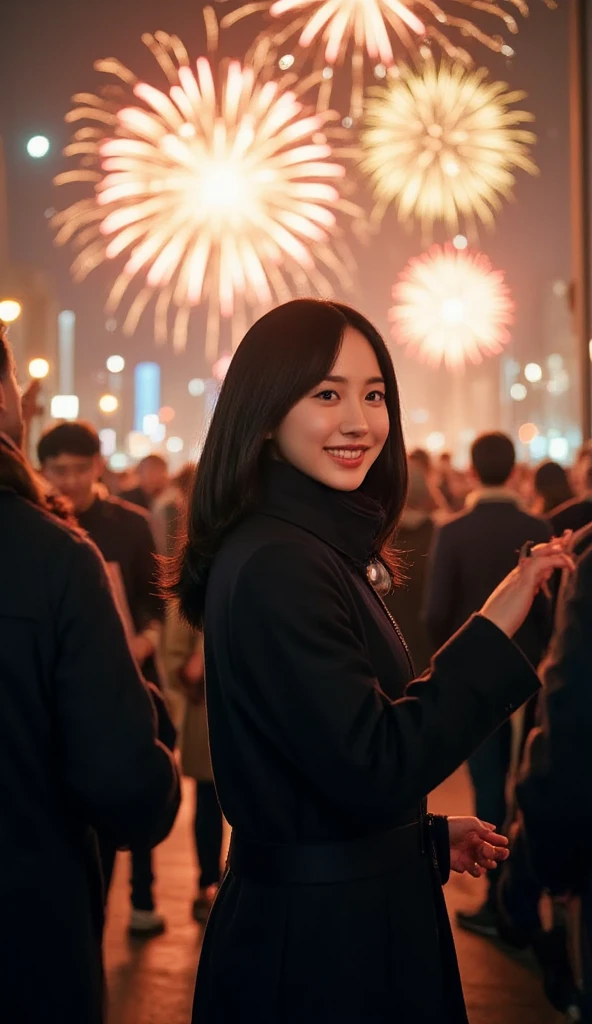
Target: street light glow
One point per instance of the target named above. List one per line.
(10, 310)
(108, 403)
(38, 146)
(115, 364)
(38, 368)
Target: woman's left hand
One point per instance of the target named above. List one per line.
(475, 846)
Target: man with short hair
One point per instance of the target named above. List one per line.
(79, 751)
(70, 458)
(153, 479)
(470, 557)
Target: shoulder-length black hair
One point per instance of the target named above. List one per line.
(281, 359)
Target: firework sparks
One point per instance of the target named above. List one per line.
(451, 307)
(443, 144)
(372, 29)
(205, 193)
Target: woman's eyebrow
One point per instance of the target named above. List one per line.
(343, 380)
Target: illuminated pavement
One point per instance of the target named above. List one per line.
(152, 982)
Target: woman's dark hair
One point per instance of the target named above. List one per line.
(280, 360)
(552, 484)
(17, 475)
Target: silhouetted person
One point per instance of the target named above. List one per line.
(577, 513)
(70, 458)
(78, 748)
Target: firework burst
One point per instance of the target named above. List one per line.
(443, 144)
(373, 30)
(204, 192)
(451, 307)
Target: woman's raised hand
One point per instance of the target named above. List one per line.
(511, 602)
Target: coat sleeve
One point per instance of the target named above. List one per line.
(119, 775)
(306, 682)
(441, 588)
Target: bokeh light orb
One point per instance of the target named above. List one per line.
(38, 368)
(10, 310)
(115, 364)
(38, 147)
(196, 387)
(108, 403)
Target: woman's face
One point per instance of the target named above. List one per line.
(336, 432)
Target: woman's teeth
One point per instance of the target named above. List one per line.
(346, 453)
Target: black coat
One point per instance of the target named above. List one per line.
(471, 555)
(78, 752)
(315, 736)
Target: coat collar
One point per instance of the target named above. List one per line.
(484, 495)
(348, 521)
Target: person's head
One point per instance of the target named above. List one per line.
(153, 475)
(552, 486)
(581, 474)
(493, 457)
(422, 459)
(11, 419)
(312, 384)
(69, 454)
(420, 495)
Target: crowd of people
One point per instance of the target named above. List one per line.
(322, 746)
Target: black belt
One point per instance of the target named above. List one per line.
(326, 863)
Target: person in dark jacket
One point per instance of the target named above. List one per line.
(470, 556)
(78, 741)
(323, 750)
(558, 766)
(577, 513)
(70, 457)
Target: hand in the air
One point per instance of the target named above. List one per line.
(511, 602)
(475, 846)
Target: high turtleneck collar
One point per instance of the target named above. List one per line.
(348, 521)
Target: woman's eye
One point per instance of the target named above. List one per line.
(327, 395)
(376, 396)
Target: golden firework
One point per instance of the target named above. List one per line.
(372, 29)
(224, 193)
(443, 143)
(451, 307)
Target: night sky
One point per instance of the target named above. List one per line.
(48, 54)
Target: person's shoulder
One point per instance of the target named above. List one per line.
(125, 511)
(540, 528)
(265, 548)
(43, 534)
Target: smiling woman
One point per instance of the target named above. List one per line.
(323, 747)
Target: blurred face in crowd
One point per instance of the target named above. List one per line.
(11, 420)
(75, 477)
(153, 477)
(335, 433)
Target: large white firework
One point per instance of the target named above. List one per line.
(219, 188)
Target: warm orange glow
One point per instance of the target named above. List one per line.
(528, 432)
(216, 189)
(38, 368)
(166, 414)
(451, 307)
(108, 403)
(10, 310)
